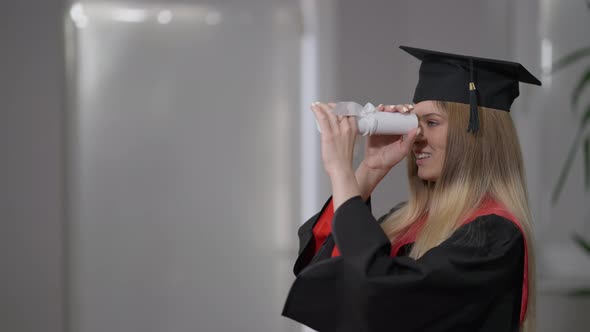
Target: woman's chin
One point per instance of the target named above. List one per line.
(427, 176)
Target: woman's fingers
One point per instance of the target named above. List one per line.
(347, 126)
(323, 112)
(322, 118)
(399, 108)
(352, 124)
(408, 142)
(402, 108)
(333, 119)
(334, 124)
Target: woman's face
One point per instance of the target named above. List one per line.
(429, 146)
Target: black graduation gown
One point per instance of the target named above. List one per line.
(470, 282)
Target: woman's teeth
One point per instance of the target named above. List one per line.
(423, 155)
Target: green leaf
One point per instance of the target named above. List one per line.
(587, 161)
(584, 81)
(585, 118)
(582, 292)
(585, 122)
(570, 58)
(581, 242)
(566, 168)
(571, 155)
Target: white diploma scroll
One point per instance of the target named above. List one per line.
(372, 122)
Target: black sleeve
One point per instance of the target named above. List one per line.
(306, 243)
(367, 290)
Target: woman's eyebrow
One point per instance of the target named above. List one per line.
(429, 114)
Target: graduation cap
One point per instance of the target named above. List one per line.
(469, 80)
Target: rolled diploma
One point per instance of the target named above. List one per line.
(385, 123)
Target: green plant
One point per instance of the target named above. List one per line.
(584, 245)
(581, 135)
(581, 140)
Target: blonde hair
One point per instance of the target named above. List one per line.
(487, 164)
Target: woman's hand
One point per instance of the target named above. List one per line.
(338, 137)
(382, 152)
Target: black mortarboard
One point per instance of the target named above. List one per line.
(469, 80)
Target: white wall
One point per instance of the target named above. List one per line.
(31, 166)
(184, 182)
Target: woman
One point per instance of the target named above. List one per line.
(457, 256)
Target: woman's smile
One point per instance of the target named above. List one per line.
(430, 145)
(422, 157)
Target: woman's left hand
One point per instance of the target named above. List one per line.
(338, 137)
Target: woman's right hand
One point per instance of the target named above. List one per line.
(382, 152)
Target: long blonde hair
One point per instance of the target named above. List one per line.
(488, 164)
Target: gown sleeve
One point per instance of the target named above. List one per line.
(365, 289)
(315, 238)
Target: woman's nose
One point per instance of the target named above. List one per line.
(420, 135)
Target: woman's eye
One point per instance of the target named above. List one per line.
(431, 123)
